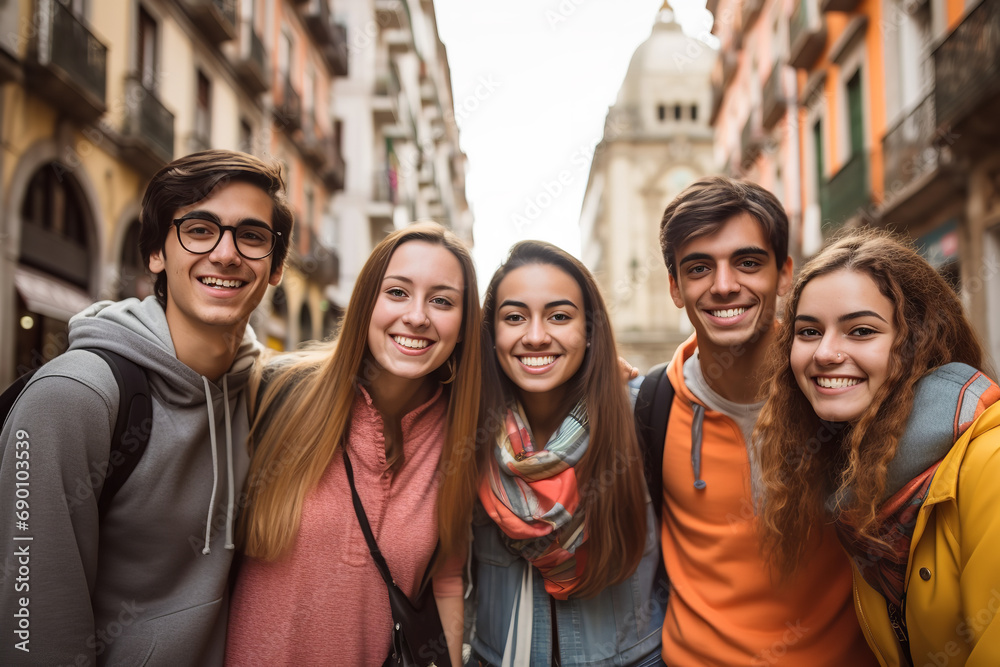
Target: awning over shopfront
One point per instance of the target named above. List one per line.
(49, 296)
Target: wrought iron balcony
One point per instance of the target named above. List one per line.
(288, 111)
(335, 51)
(776, 95)
(399, 40)
(425, 175)
(335, 169)
(321, 264)
(253, 65)
(909, 147)
(391, 14)
(384, 185)
(846, 194)
(148, 132)
(215, 18)
(428, 94)
(312, 143)
(385, 104)
(317, 18)
(806, 35)
(67, 63)
(967, 65)
(752, 138)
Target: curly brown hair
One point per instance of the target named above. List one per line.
(803, 459)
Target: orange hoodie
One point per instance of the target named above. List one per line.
(725, 607)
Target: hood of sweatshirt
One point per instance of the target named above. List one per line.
(945, 403)
(138, 331)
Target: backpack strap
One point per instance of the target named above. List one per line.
(11, 393)
(652, 413)
(132, 426)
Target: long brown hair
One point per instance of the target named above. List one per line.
(305, 412)
(610, 474)
(804, 459)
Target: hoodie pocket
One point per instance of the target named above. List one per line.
(185, 637)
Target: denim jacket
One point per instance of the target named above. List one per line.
(620, 626)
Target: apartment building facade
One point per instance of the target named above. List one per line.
(399, 125)
(894, 101)
(95, 97)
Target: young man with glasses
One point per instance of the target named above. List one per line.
(145, 581)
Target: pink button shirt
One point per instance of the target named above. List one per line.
(325, 603)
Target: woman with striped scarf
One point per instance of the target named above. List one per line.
(565, 546)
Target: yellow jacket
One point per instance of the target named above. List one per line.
(953, 573)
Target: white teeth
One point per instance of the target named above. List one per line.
(732, 312)
(537, 361)
(837, 383)
(412, 343)
(219, 282)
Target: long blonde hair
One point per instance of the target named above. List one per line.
(305, 412)
(803, 459)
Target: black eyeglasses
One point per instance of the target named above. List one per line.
(199, 235)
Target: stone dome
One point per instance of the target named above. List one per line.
(667, 69)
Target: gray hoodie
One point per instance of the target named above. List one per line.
(142, 586)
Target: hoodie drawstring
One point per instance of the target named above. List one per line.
(696, 428)
(229, 460)
(215, 465)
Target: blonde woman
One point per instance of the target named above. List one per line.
(398, 392)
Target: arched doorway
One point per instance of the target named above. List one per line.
(133, 278)
(276, 336)
(305, 324)
(54, 271)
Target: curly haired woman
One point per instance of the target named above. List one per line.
(880, 419)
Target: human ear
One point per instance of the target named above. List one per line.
(157, 261)
(675, 292)
(276, 275)
(785, 277)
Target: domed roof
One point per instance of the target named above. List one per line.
(667, 51)
(667, 70)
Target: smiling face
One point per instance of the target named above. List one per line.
(220, 288)
(541, 328)
(843, 338)
(417, 319)
(729, 283)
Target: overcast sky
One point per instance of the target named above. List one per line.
(532, 83)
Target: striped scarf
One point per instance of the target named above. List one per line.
(532, 496)
(883, 564)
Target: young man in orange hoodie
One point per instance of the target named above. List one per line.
(725, 244)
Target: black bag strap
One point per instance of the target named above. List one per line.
(652, 413)
(132, 424)
(359, 509)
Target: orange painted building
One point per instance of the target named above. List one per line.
(754, 102)
(890, 123)
(896, 124)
